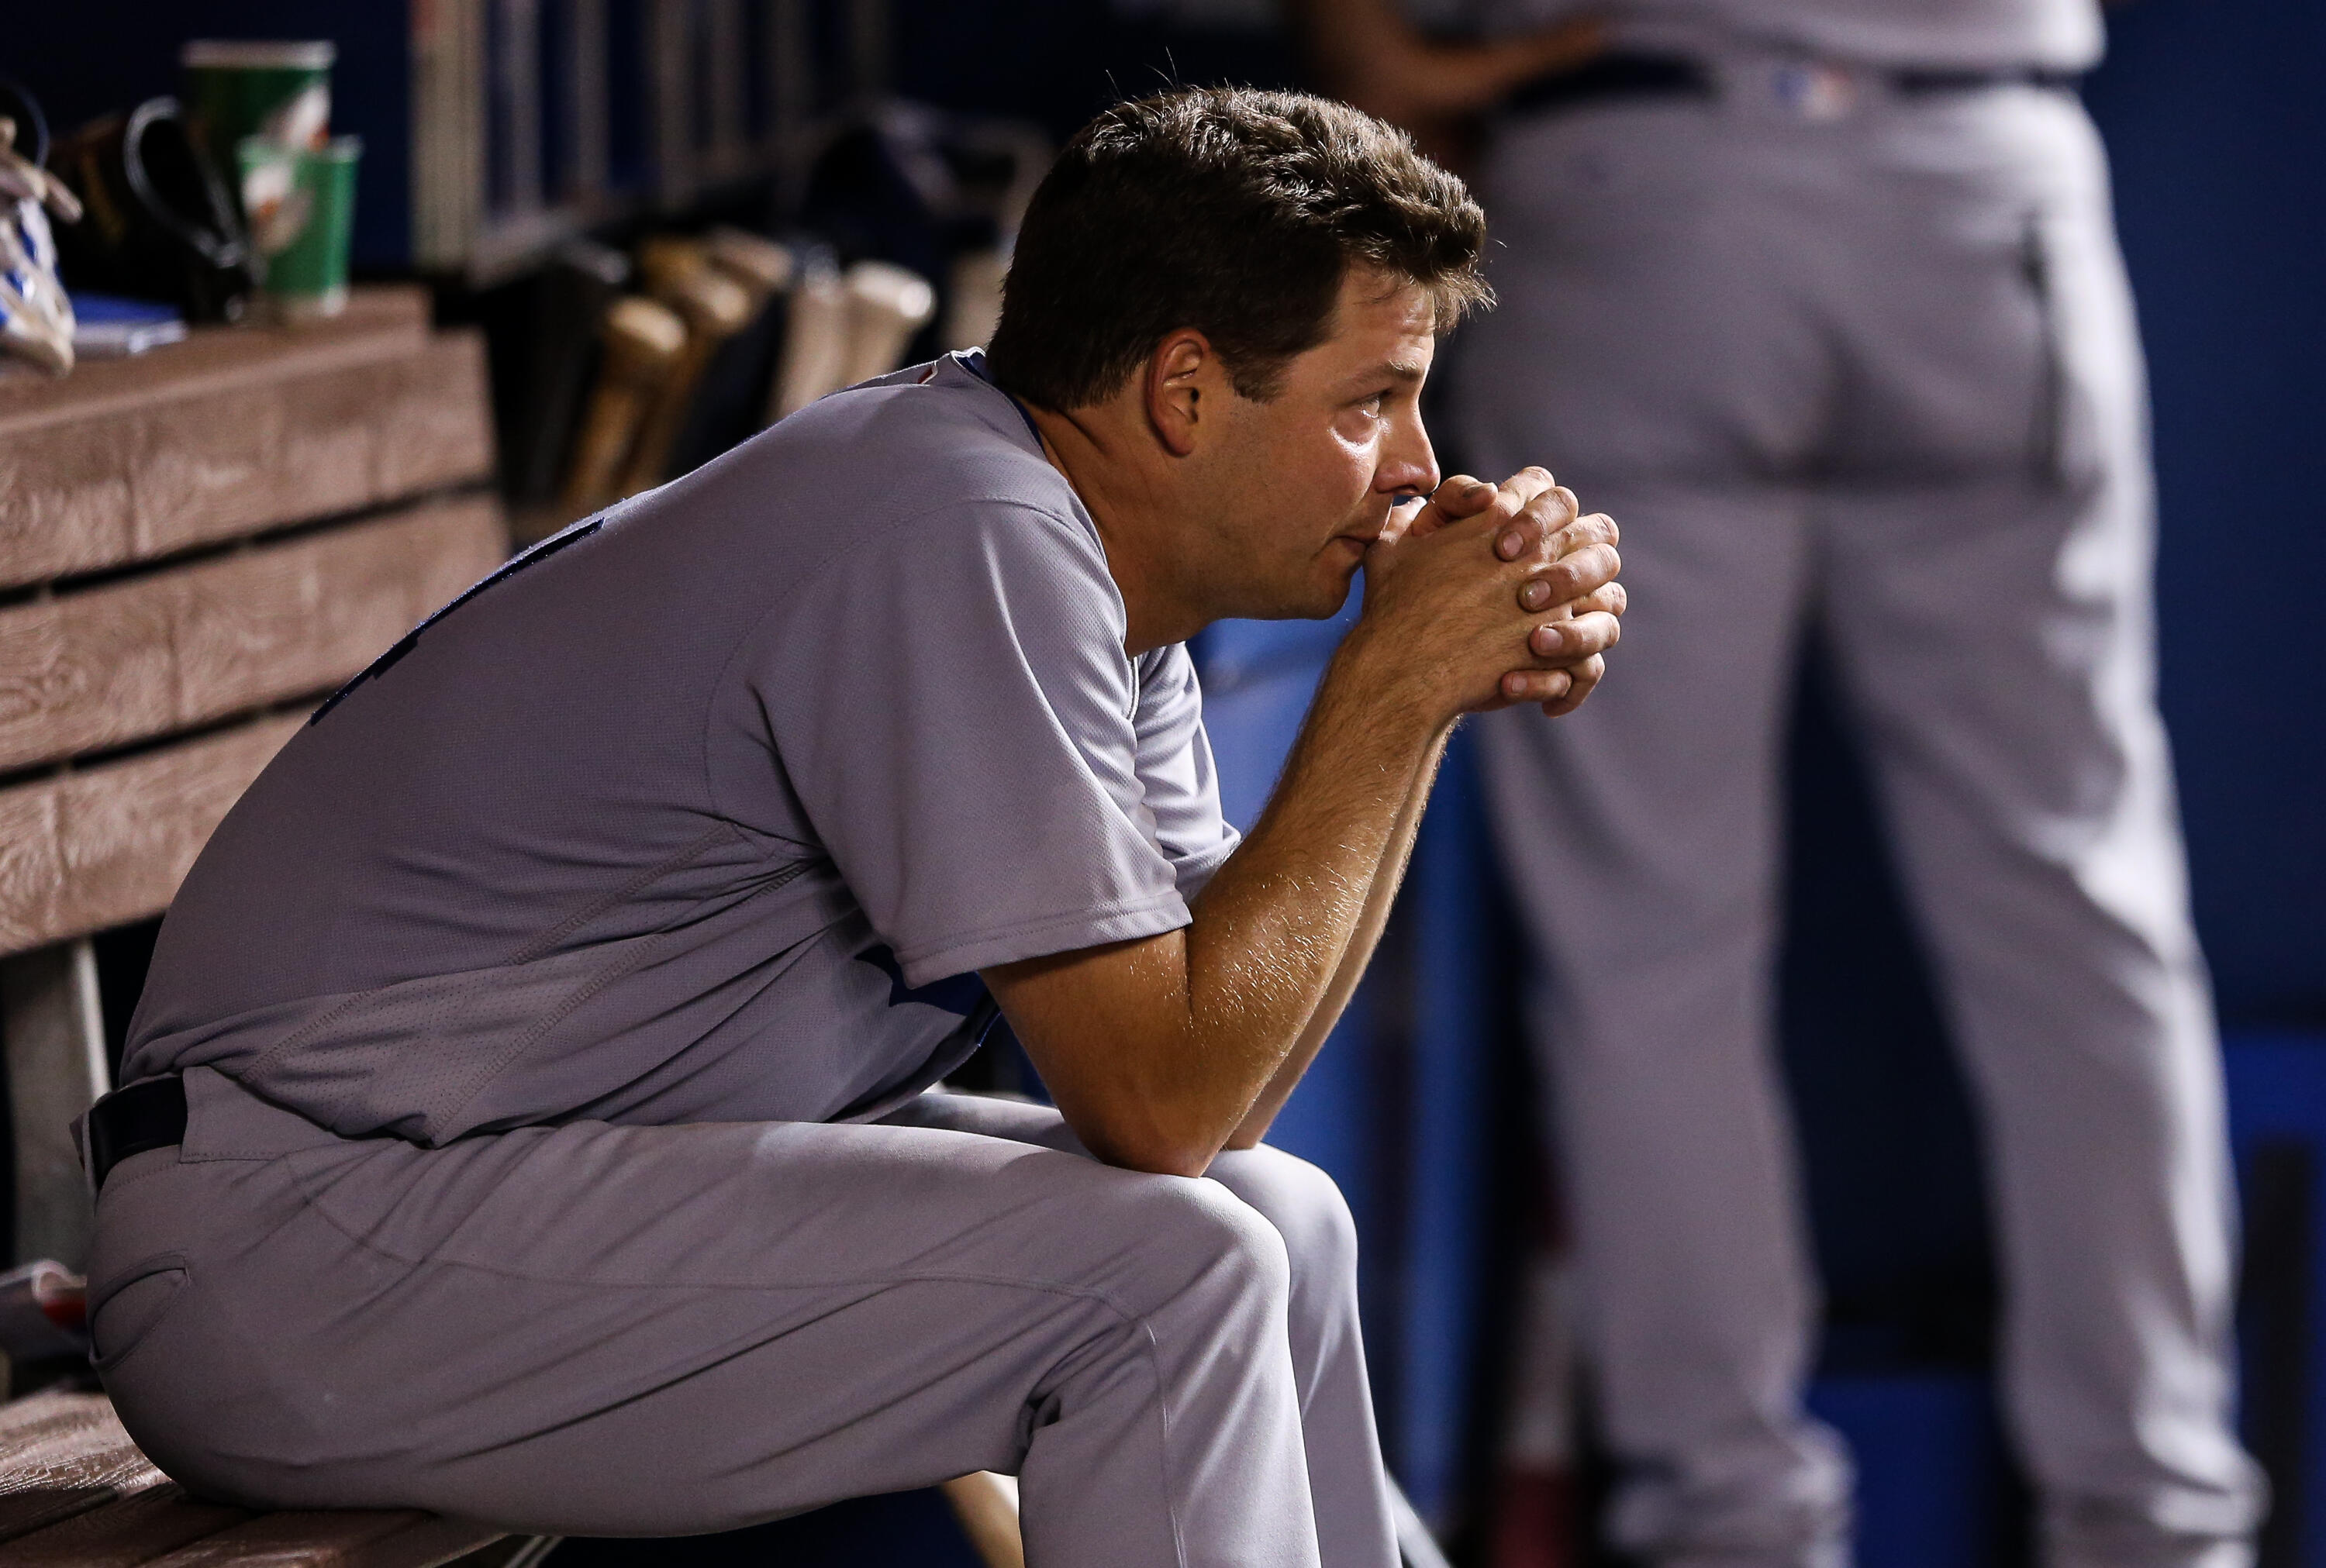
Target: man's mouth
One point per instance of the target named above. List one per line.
(1364, 537)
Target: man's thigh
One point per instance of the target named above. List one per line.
(635, 1330)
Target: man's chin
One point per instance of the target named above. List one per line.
(1330, 597)
(1319, 599)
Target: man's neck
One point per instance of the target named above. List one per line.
(1101, 459)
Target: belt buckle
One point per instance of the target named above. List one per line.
(1814, 91)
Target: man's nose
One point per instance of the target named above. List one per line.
(1407, 463)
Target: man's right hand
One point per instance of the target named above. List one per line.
(1370, 55)
(1489, 596)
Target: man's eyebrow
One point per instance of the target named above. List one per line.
(1394, 370)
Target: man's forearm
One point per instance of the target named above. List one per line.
(1371, 54)
(1354, 958)
(1281, 934)
(1201, 1022)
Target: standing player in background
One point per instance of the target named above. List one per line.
(1822, 298)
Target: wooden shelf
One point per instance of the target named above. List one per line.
(227, 527)
(234, 432)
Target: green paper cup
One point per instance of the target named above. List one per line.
(236, 88)
(302, 203)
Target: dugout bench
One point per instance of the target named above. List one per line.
(195, 546)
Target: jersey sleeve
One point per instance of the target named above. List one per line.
(952, 711)
(1181, 787)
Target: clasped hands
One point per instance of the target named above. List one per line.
(1507, 590)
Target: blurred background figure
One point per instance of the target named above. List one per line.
(1821, 298)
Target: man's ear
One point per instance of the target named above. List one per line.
(1178, 372)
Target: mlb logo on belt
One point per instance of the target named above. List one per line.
(1815, 91)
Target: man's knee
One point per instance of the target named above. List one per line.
(1301, 1202)
(1215, 1239)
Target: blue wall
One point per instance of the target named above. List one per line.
(2215, 115)
(2277, 1117)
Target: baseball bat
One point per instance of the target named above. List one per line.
(642, 342)
(886, 306)
(815, 340)
(714, 308)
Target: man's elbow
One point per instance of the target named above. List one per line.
(1137, 1138)
(1156, 1156)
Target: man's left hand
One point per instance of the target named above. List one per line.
(1576, 590)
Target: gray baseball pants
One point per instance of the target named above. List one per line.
(1875, 370)
(602, 1330)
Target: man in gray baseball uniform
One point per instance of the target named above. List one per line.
(529, 1115)
(1821, 297)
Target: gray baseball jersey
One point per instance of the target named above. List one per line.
(2052, 35)
(711, 808)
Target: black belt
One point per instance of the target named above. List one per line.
(1651, 76)
(1969, 81)
(151, 1114)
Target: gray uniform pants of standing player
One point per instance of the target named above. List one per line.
(1876, 370)
(665, 1330)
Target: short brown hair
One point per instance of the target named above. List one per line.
(1229, 211)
